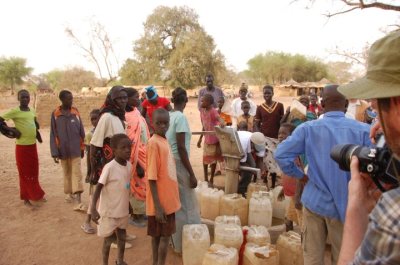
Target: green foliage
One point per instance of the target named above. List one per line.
(279, 67)
(72, 79)
(12, 71)
(174, 50)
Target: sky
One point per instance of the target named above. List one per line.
(241, 29)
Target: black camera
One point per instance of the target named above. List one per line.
(378, 162)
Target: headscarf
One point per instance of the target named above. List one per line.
(151, 93)
(111, 106)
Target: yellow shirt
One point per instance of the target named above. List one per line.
(25, 123)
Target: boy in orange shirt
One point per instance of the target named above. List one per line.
(162, 199)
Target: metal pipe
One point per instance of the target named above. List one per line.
(252, 169)
(203, 132)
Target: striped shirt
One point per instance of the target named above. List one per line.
(381, 244)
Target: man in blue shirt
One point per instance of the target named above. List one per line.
(325, 194)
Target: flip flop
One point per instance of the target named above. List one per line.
(80, 207)
(115, 246)
(88, 229)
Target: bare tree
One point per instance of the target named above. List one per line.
(351, 5)
(99, 50)
(358, 58)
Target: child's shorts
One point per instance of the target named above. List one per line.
(156, 229)
(107, 225)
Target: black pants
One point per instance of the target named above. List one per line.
(246, 176)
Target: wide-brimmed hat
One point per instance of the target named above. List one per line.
(258, 138)
(382, 79)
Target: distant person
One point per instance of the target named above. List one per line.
(178, 136)
(269, 114)
(153, 102)
(162, 198)
(237, 104)
(139, 134)
(94, 118)
(26, 154)
(214, 91)
(67, 136)
(325, 193)
(222, 112)
(212, 150)
(113, 190)
(314, 106)
(246, 116)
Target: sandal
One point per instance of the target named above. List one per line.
(88, 229)
(68, 198)
(80, 207)
(123, 263)
(115, 246)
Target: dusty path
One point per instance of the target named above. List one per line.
(51, 234)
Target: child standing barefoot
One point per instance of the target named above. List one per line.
(113, 189)
(162, 199)
(212, 150)
(94, 118)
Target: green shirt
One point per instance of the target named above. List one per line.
(178, 124)
(25, 123)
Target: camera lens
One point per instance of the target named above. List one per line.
(342, 154)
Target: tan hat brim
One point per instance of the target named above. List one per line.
(365, 88)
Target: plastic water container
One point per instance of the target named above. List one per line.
(258, 235)
(260, 255)
(221, 255)
(289, 245)
(229, 235)
(275, 231)
(227, 219)
(235, 204)
(195, 243)
(255, 187)
(297, 111)
(260, 209)
(279, 207)
(210, 203)
(201, 187)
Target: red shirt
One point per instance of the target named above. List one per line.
(150, 108)
(315, 109)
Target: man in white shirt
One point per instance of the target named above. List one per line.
(237, 104)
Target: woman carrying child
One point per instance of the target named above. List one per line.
(179, 136)
(26, 154)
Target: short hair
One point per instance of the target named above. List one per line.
(116, 139)
(209, 97)
(288, 126)
(245, 102)
(95, 111)
(179, 95)
(21, 91)
(268, 87)
(243, 125)
(209, 75)
(160, 111)
(63, 94)
(243, 88)
(313, 95)
(130, 91)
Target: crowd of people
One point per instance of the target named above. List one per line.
(140, 172)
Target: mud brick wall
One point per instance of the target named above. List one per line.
(47, 103)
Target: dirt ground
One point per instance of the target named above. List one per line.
(51, 233)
